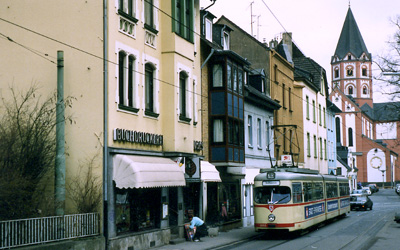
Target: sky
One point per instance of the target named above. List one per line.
(315, 25)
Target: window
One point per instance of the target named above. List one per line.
(297, 192)
(364, 71)
(324, 113)
(218, 130)
(127, 8)
(313, 106)
(336, 72)
(320, 148)
(138, 209)
(225, 41)
(307, 108)
(284, 140)
(337, 121)
(326, 152)
(183, 79)
(350, 137)
(259, 133)
(350, 90)
(349, 57)
(349, 71)
(149, 88)
(365, 90)
(290, 98)
(149, 14)
(267, 131)
(276, 73)
(320, 114)
(217, 75)
(250, 130)
(184, 19)
(283, 96)
(126, 81)
(308, 145)
(229, 76)
(315, 147)
(194, 103)
(208, 29)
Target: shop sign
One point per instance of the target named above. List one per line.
(192, 170)
(132, 136)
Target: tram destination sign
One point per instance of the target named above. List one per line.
(132, 136)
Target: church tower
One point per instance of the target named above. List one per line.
(351, 65)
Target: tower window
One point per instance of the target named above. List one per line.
(336, 73)
(364, 71)
(365, 90)
(349, 57)
(349, 72)
(350, 90)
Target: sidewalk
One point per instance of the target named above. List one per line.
(223, 239)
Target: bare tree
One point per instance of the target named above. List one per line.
(27, 150)
(85, 187)
(389, 64)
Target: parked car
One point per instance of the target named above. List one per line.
(374, 188)
(397, 189)
(359, 191)
(367, 189)
(359, 202)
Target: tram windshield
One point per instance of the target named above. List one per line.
(272, 195)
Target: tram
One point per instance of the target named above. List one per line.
(293, 199)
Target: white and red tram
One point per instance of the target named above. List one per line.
(294, 198)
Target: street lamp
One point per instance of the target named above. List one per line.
(383, 176)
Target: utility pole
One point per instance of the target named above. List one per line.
(251, 17)
(59, 192)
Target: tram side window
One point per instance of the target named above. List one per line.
(297, 194)
(344, 189)
(313, 191)
(331, 190)
(307, 191)
(318, 189)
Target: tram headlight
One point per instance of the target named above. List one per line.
(271, 217)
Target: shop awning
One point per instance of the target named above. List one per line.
(250, 174)
(146, 171)
(209, 173)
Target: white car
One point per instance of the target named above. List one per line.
(367, 189)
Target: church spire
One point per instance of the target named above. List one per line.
(350, 40)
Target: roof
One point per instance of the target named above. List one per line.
(350, 39)
(386, 111)
(254, 96)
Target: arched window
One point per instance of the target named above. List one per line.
(364, 71)
(351, 137)
(337, 120)
(350, 90)
(365, 90)
(336, 72)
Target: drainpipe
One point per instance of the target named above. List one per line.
(210, 4)
(59, 192)
(106, 185)
(208, 58)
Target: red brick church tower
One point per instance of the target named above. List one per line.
(363, 130)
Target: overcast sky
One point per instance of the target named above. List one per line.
(315, 24)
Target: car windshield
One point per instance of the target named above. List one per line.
(272, 195)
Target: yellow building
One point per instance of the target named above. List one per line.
(134, 68)
(287, 119)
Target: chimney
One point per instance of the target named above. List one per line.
(273, 44)
(287, 39)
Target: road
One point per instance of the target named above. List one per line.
(358, 230)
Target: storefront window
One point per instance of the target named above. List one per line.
(229, 201)
(137, 209)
